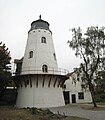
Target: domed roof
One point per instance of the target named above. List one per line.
(40, 24)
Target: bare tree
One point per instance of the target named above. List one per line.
(90, 47)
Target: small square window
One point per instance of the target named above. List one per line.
(80, 95)
(64, 86)
(77, 78)
(83, 86)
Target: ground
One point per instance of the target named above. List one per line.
(11, 113)
(73, 111)
(82, 110)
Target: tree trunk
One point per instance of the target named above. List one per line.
(91, 88)
(93, 99)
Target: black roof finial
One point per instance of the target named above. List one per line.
(39, 16)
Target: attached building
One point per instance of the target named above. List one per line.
(74, 90)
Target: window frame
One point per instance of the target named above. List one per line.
(54, 55)
(78, 79)
(45, 68)
(43, 39)
(81, 95)
(31, 54)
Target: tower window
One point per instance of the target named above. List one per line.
(44, 68)
(31, 54)
(54, 56)
(43, 40)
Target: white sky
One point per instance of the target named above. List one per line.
(17, 15)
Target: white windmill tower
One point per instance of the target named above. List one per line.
(39, 80)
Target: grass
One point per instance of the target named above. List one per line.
(11, 113)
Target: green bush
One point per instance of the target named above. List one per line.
(100, 97)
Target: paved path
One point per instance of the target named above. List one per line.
(75, 110)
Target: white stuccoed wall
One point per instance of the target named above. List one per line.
(43, 52)
(40, 97)
(75, 88)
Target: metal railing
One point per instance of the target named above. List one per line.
(32, 70)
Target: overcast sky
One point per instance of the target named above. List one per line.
(62, 15)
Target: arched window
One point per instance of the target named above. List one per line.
(44, 68)
(43, 40)
(31, 54)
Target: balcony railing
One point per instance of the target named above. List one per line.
(30, 70)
